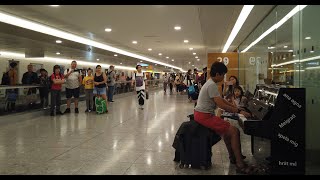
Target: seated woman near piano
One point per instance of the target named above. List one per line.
(204, 113)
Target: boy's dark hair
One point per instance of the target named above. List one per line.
(41, 70)
(98, 66)
(13, 64)
(218, 67)
(138, 66)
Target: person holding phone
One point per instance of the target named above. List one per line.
(228, 86)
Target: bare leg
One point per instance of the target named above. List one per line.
(76, 100)
(234, 135)
(68, 102)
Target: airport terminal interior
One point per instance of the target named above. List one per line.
(159, 89)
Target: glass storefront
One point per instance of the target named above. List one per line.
(284, 49)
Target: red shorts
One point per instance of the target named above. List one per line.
(215, 123)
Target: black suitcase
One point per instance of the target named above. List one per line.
(193, 143)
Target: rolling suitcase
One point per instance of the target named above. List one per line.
(193, 143)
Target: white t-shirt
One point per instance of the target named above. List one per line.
(144, 78)
(72, 81)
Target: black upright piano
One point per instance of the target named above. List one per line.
(278, 114)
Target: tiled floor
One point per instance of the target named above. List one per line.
(127, 140)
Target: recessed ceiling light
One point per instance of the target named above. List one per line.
(141, 61)
(172, 60)
(149, 49)
(196, 57)
(108, 29)
(58, 41)
(160, 54)
(311, 51)
(194, 53)
(177, 28)
(285, 46)
(307, 37)
(294, 55)
(115, 54)
(192, 65)
(284, 58)
(167, 57)
(190, 49)
(98, 59)
(290, 50)
(57, 53)
(189, 62)
(54, 5)
(120, 63)
(134, 42)
(185, 41)
(271, 47)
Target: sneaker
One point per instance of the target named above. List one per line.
(67, 111)
(51, 114)
(59, 113)
(76, 110)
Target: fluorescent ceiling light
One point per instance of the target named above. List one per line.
(192, 65)
(57, 53)
(285, 46)
(149, 49)
(134, 42)
(59, 60)
(190, 49)
(141, 61)
(108, 30)
(167, 57)
(307, 38)
(98, 59)
(172, 60)
(58, 41)
(27, 24)
(177, 28)
(194, 53)
(54, 5)
(196, 57)
(311, 51)
(185, 41)
(116, 55)
(160, 54)
(290, 50)
(271, 47)
(296, 61)
(277, 25)
(241, 19)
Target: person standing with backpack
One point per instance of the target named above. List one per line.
(111, 82)
(44, 82)
(141, 85)
(10, 78)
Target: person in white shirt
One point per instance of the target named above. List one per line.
(165, 82)
(73, 82)
(139, 79)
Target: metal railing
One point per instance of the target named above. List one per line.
(26, 100)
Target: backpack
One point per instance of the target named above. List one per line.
(139, 80)
(5, 79)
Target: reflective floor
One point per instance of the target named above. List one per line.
(127, 140)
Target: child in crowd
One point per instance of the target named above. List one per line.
(57, 79)
(238, 99)
(88, 85)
